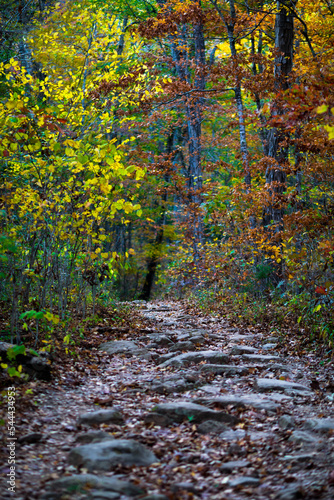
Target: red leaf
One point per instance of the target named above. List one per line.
(321, 290)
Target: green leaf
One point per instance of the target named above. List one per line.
(15, 351)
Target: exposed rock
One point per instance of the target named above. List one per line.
(195, 413)
(183, 346)
(157, 419)
(38, 366)
(82, 482)
(192, 376)
(33, 437)
(260, 358)
(271, 384)
(255, 401)
(235, 464)
(93, 437)
(170, 385)
(293, 492)
(106, 454)
(268, 347)
(178, 487)
(260, 435)
(239, 482)
(165, 357)
(320, 424)
(103, 495)
(305, 457)
(211, 427)
(163, 341)
(211, 389)
(278, 366)
(225, 369)
(197, 339)
(302, 437)
(101, 416)
(155, 497)
(271, 340)
(232, 435)
(122, 347)
(240, 337)
(286, 422)
(243, 349)
(188, 358)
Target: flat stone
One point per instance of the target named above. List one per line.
(101, 417)
(225, 369)
(320, 424)
(183, 346)
(271, 384)
(93, 437)
(32, 437)
(163, 341)
(286, 422)
(301, 458)
(292, 492)
(197, 339)
(194, 412)
(103, 495)
(233, 435)
(268, 347)
(155, 497)
(82, 482)
(235, 464)
(242, 349)
(171, 385)
(255, 401)
(278, 366)
(211, 427)
(271, 340)
(278, 397)
(177, 487)
(259, 436)
(260, 358)
(122, 347)
(106, 454)
(211, 389)
(240, 482)
(165, 357)
(302, 437)
(189, 358)
(239, 337)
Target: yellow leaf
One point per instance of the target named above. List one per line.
(322, 109)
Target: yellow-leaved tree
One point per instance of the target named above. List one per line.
(64, 175)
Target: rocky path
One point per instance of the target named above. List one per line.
(190, 409)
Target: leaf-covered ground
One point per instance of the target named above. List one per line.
(264, 427)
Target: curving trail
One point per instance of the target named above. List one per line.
(187, 408)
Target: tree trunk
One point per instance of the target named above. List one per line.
(152, 267)
(194, 127)
(229, 24)
(275, 174)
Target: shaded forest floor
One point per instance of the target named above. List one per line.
(179, 406)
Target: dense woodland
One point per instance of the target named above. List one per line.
(179, 149)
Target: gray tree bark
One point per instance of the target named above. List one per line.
(275, 174)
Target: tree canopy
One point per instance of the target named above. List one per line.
(167, 147)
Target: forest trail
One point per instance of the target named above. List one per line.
(190, 409)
